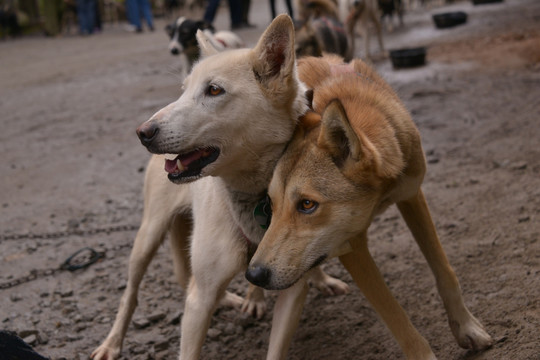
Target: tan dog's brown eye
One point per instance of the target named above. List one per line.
(307, 206)
(214, 90)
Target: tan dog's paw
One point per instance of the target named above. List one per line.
(106, 352)
(327, 284)
(254, 303)
(471, 334)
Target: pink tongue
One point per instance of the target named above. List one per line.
(170, 166)
(185, 160)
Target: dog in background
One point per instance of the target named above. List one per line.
(183, 41)
(389, 8)
(171, 8)
(319, 30)
(360, 14)
(358, 153)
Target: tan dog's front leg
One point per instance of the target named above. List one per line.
(287, 312)
(467, 330)
(365, 273)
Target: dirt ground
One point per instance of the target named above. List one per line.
(72, 172)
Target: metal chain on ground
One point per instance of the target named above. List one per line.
(71, 264)
(61, 234)
(34, 274)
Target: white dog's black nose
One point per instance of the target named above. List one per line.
(258, 275)
(147, 132)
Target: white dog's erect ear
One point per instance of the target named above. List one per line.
(205, 44)
(337, 134)
(274, 53)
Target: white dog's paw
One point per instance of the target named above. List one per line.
(327, 284)
(106, 352)
(254, 303)
(231, 300)
(332, 286)
(471, 334)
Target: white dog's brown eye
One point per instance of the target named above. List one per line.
(307, 206)
(214, 90)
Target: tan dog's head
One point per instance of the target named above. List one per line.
(325, 190)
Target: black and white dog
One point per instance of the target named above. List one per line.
(184, 43)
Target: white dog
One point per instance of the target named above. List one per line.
(238, 111)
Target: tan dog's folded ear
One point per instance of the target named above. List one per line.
(350, 147)
(205, 44)
(338, 136)
(274, 57)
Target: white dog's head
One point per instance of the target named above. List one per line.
(236, 106)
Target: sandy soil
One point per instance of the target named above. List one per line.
(71, 164)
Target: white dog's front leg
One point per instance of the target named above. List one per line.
(254, 303)
(287, 311)
(216, 257)
(199, 306)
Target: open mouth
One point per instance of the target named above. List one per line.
(188, 166)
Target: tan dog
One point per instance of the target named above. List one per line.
(360, 13)
(335, 176)
(226, 149)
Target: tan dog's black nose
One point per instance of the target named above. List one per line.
(147, 132)
(258, 275)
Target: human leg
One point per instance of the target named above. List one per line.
(91, 19)
(86, 15)
(134, 14)
(211, 10)
(146, 12)
(290, 8)
(273, 8)
(235, 9)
